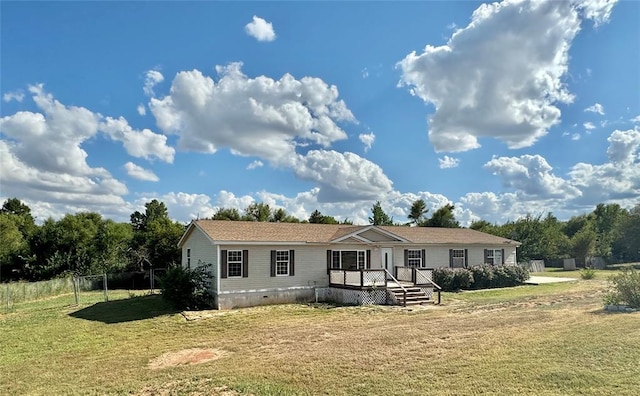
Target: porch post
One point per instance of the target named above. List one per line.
(361, 278)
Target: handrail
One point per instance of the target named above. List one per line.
(439, 289)
(404, 291)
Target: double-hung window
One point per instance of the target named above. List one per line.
(414, 258)
(282, 263)
(234, 263)
(188, 258)
(458, 258)
(493, 256)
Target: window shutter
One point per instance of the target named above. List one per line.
(273, 263)
(292, 263)
(502, 256)
(368, 263)
(223, 264)
(466, 258)
(245, 263)
(406, 257)
(486, 256)
(328, 261)
(451, 258)
(424, 258)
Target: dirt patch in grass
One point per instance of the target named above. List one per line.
(186, 357)
(187, 388)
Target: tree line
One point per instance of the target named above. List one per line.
(86, 243)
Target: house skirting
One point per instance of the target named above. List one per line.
(252, 298)
(355, 296)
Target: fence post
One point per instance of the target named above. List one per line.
(74, 282)
(104, 282)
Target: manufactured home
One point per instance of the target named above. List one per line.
(256, 263)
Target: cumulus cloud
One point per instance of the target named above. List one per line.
(502, 75)
(623, 146)
(260, 29)
(258, 117)
(448, 162)
(151, 79)
(599, 11)
(44, 163)
(141, 144)
(596, 108)
(531, 174)
(140, 173)
(9, 96)
(589, 126)
(141, 109)
(269, 119)
(255, 164)
(367, 139)
(342, 176)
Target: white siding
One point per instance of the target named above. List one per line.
(202, 252)
(310, 269)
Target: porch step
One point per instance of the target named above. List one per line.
(415, 296)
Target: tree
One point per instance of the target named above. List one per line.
(227, 214)
(626, 243)
(418, 212)
(13, 243)
(606, 219)
(257, 212)
(379, 217)
(318, 218)
(583, 243)
(443, 217)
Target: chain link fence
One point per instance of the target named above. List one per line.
(79, 289)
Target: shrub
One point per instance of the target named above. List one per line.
(488, 276)
(453, 279)
(187, 288)
(482, 276)
(624, 288)
(587, 273)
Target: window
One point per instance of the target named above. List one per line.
(282, 263)
(188, 258)
(234, 263)
(493, 256)
(458, 258)
(414, 258)
(349, 259)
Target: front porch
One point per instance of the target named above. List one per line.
(407, 286)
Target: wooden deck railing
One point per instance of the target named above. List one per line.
(362, 278)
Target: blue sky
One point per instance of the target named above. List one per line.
(502, 109)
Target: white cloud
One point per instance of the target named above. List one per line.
(531, 175)
(138, 172)
(9, 96)
(448, 162)
(501, 76)
(258, 117)
(255, 164)
(365, 73)
(589, 126)
(636, 119)
(140, 144)
(141, 109)
(269, 119)
(623, 146)
(367, 139)
(597, 10)
(596, 108)
(575, 136)
(342, 176)
(151, 79)
(260, 29)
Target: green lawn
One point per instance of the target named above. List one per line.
(544, 340)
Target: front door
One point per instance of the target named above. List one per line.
(387, 259)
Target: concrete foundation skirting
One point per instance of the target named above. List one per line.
(268, 297)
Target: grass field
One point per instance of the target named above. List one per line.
(545, 340)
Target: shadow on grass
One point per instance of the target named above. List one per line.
(127, 310)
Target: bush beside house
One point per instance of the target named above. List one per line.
(479, 277)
